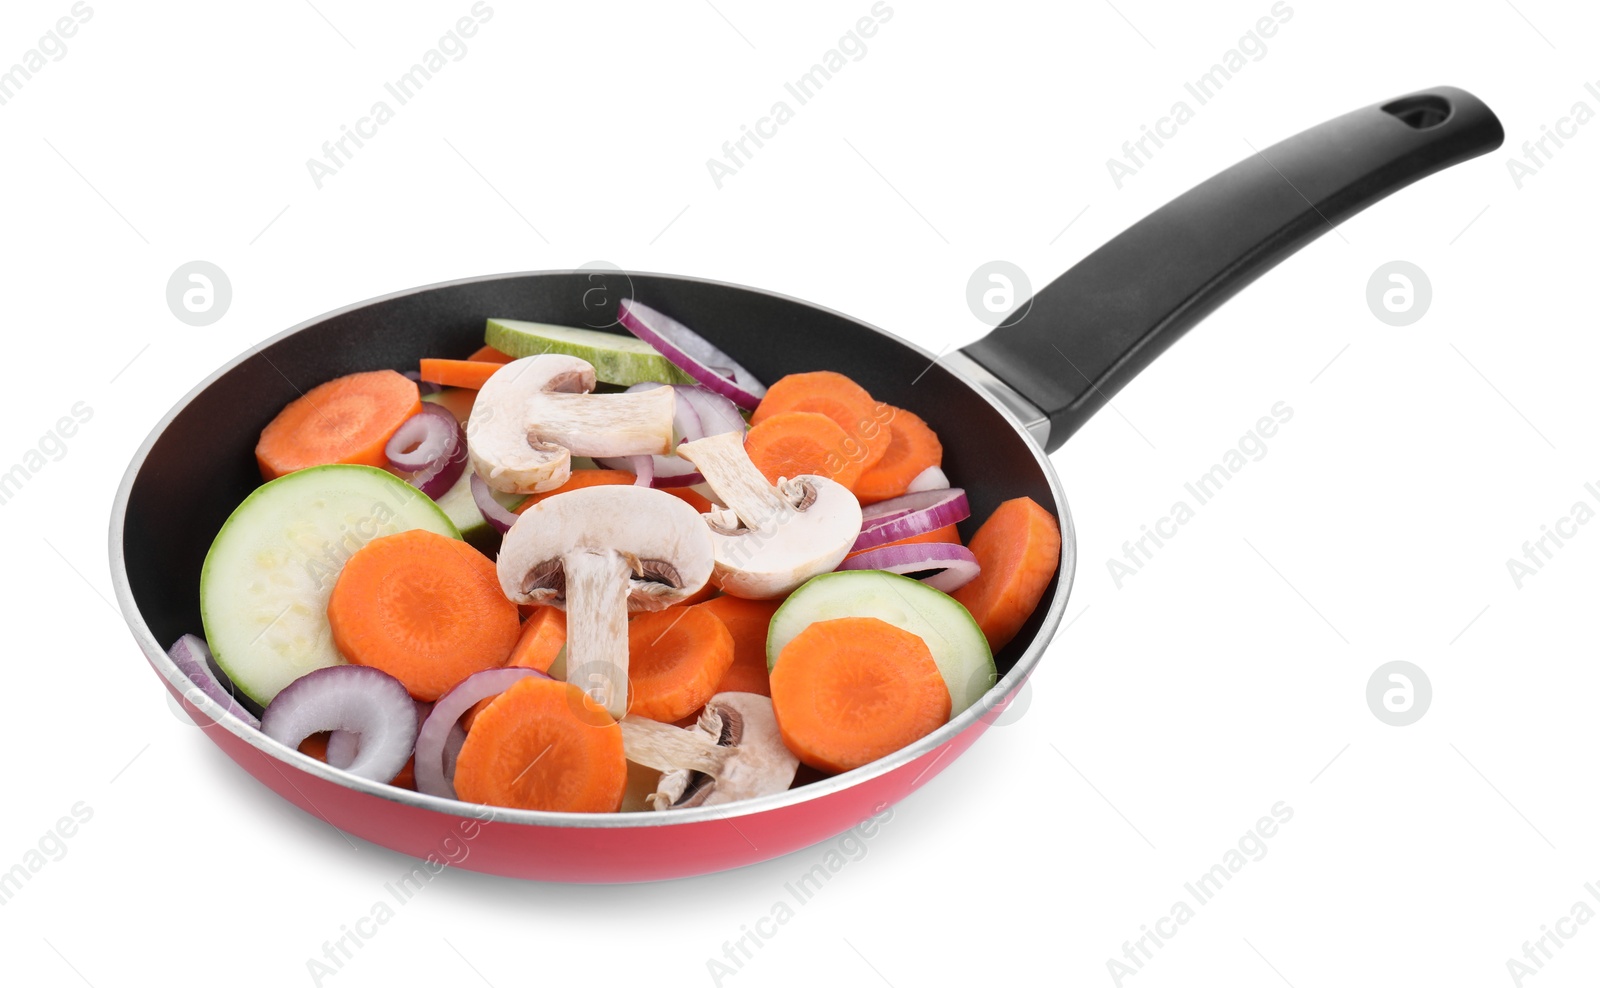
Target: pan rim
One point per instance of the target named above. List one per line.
(957, 726)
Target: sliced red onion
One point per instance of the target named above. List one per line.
(342, 748)
(434, 776)
(931, 479)
(644, 469)
(430, 448)
(495, 513)
(193, 658)
(692, 353)
(910, 514)
(948, 566)
(452, 750)
(358, 699)
(718, 415)
(423, 387)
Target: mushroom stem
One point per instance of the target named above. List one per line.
(738, 482)
(597, 625)
(666, 748)
(630, 424)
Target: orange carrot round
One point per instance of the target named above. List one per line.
(346, 420)
(747, 621)
(544, 745)
(426, 609)
(832, 394)
(676, 658)
(458, 373)
(912, 448)
(793, 443)
(1018, 550)
(848, 691)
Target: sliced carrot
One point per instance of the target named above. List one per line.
(345, 420)
(458, 373)
(542, 636)
(491, 355)
(848, 691)
(426, 609)
(544, 745)
(747, 621)
(1018, 550)
(793, 443)
(949, 533)
(832, 394)
(912, 448)
(579, 480)
(676, 658)
(316, 745)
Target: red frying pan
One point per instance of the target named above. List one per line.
(999, 406)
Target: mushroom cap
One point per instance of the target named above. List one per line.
(761, 764)
(666, 542)
(792, 547)
(497, 430)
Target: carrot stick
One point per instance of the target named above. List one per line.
(345, 420)
(544, 745)
(491, 355)
(912, 448)
(947, 534)
(676, 658)
(543, 634)
(832, 394)
(426, 609)
(793, 443)
(1018, 550)
(458, 373)
(848, 691)
(747, 621)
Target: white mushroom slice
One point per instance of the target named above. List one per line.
(598, 553)
(534, 414)
(734, 752)
(770, 538)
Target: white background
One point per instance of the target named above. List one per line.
(1226, 676)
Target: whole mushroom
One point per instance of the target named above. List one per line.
(534, 414)
(733, 752)
(599, 553)
(770, 538)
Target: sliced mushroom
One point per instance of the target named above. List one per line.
(598, 553)
(770, 538)
(533, 415)
(733, 752)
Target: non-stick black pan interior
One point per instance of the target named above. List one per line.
(202, 465)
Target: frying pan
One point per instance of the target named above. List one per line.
(999, 406)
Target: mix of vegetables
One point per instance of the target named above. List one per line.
(588, 572)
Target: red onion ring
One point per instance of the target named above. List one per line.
(717, 413)
(343, 745)
(430, 448)
(495, 513)
(910, 514)
(434, 776)
(698, 413)
(358, 699)
(955, 564)
(193, 658)
(692, 353)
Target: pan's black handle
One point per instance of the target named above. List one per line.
(1086, 334)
